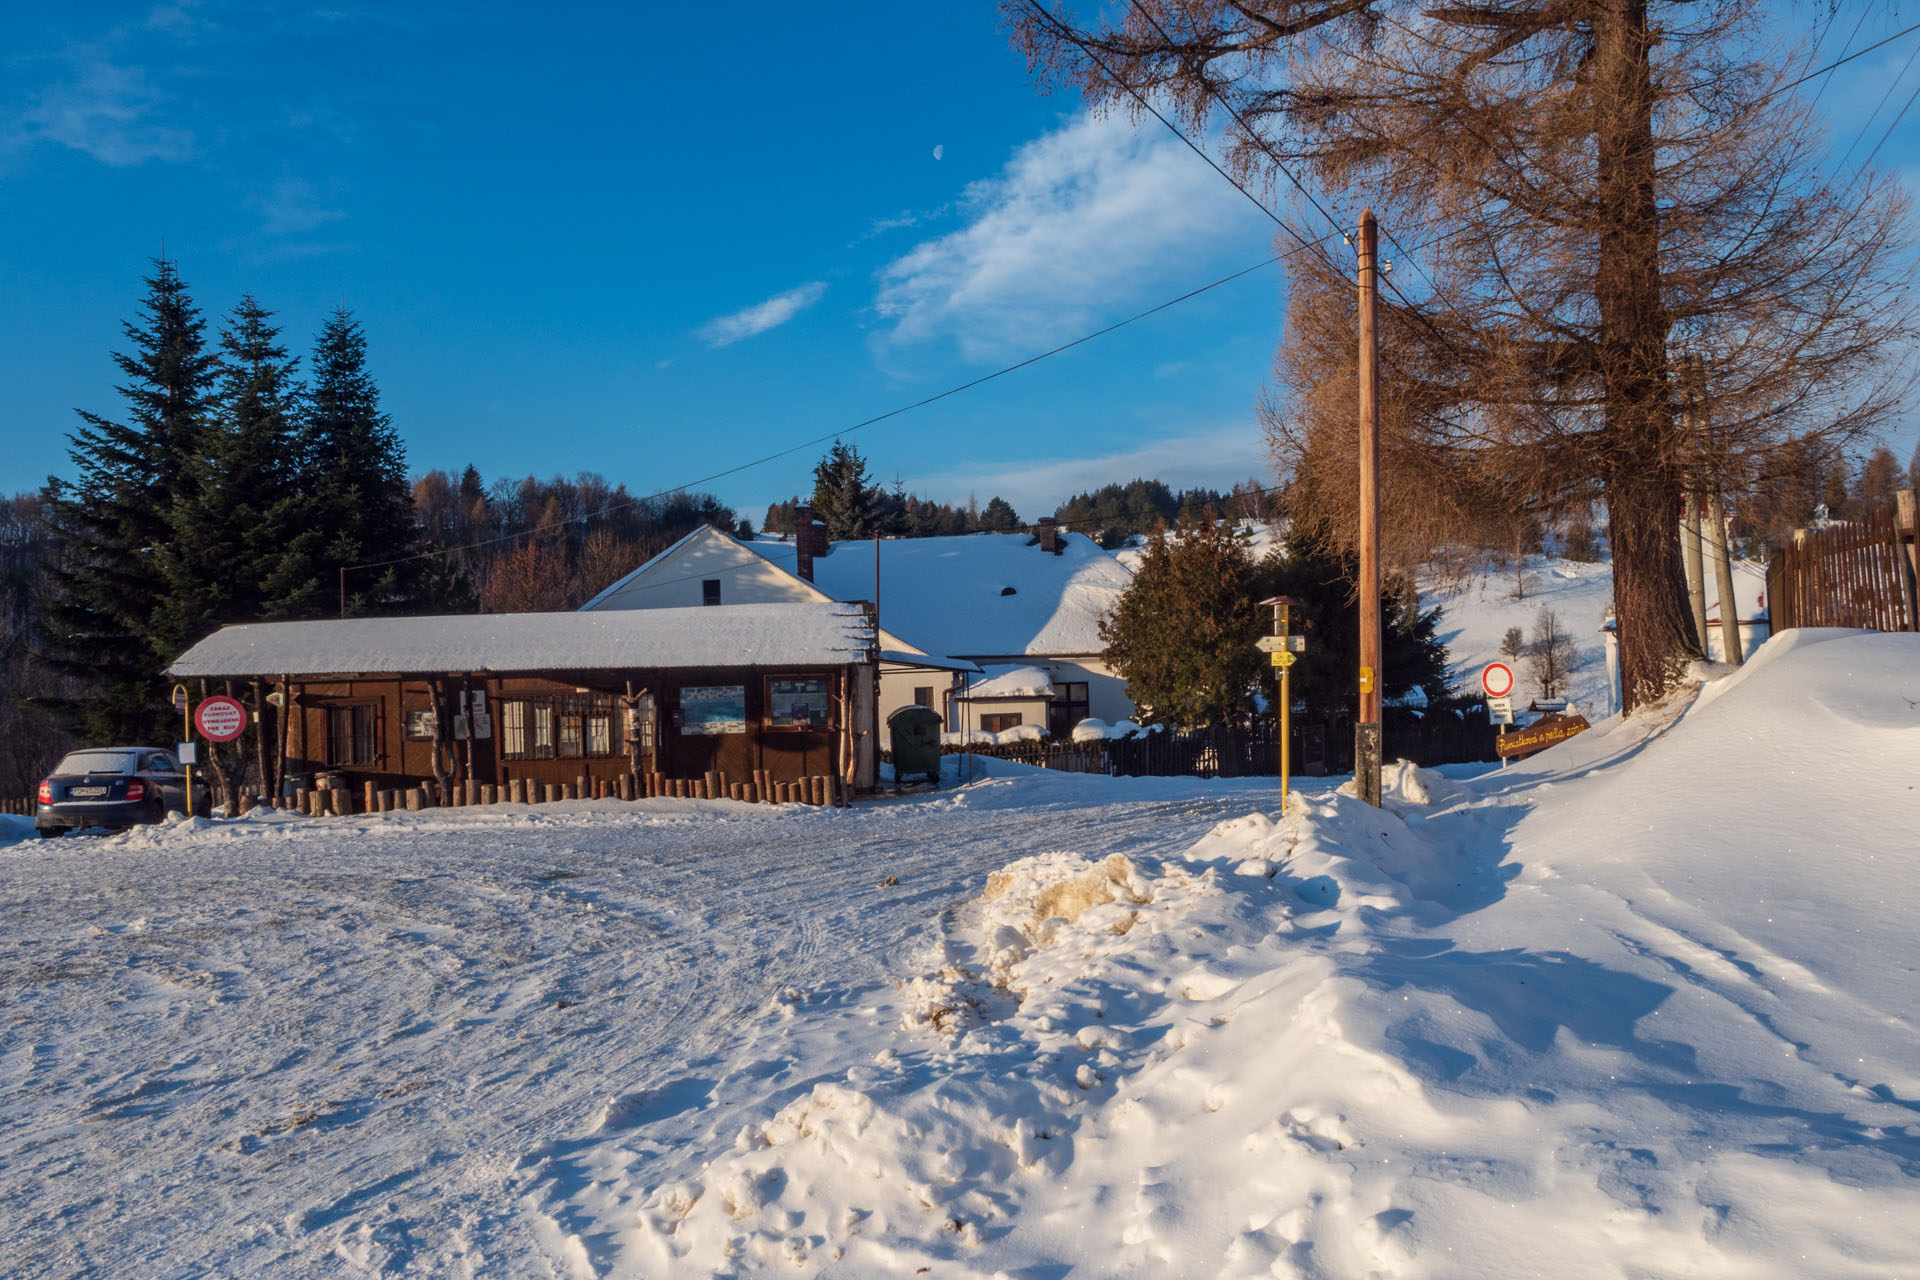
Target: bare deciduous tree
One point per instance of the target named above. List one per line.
(1551, 655)
(1598, 193)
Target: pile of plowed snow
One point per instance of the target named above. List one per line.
(1643, 1005)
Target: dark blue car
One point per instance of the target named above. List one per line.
(114, 788)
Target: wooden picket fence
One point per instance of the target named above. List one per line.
(23, 808)
(1858, 574)
(1441, 737)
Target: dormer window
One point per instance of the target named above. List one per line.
(710, 591)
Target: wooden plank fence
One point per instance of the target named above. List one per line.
(24, 808)
(1441, 737)
(1856, 574)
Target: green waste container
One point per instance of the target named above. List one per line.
(915, 736)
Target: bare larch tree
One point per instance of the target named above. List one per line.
(1588, 198)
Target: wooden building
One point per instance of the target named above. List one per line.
(549, 698)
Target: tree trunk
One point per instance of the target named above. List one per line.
(259, 740)
(1639, 457)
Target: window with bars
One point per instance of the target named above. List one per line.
(353, 734)
(566, 727)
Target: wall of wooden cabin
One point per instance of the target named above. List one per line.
(787, 754)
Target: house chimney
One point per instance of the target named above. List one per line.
(803, 542)
(1049, 536)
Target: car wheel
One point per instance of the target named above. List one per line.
(51, 833)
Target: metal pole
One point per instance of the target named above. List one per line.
(186, 735)
(343, 591)
(1286, 734)
(1716, 538)
(1366, 730)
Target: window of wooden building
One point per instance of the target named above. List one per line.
(353, 734)
(567, 727)
(1000, 721)
(798, 702)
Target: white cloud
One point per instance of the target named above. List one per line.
(771, 314)
(103, 111)
(1214, 457)
(291, 206)
(1095, 214)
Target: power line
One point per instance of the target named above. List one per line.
(1303, 244)
(848, 430)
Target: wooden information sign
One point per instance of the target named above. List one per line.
(1539, 735)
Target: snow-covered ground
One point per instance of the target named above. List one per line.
(1477, 610)
(1643, 1005)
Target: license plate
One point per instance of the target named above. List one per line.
(88, 791)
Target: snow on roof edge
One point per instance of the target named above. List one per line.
(738, 636)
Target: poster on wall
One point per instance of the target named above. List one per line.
(713, 708)
(797, 704)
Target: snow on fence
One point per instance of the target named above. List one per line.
(1853, 574)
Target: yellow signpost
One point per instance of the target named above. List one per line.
(1284, 650)
(181, 702)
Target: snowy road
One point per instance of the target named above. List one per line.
(250, 1048)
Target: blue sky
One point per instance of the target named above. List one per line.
(639, 243)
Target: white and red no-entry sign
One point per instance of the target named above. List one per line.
(220, 719)
(1497, 679)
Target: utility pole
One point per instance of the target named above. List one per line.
(1366, 730)
(1692, 558)
(1716, 534)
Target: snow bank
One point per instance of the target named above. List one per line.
(1642, 1008)
(14, 827)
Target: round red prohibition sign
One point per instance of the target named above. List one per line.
(220, 719)
(1497, 679)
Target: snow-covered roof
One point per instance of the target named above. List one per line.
(1013, 682)
(950, 595)
(924, 661)
(748, 635)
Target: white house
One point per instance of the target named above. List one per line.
(948, 608)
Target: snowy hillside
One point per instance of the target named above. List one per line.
(1477, 611)
(1643, 1005)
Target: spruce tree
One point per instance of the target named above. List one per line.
(843, 500)
(1182, 636)
(99, 620)
(998, 516)
(240, 512)
(361, 509)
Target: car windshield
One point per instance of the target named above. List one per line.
(99, 762)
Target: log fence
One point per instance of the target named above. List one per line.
(817, 791)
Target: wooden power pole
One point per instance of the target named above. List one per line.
(1366, 730)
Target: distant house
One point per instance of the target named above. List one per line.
(951, 611)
